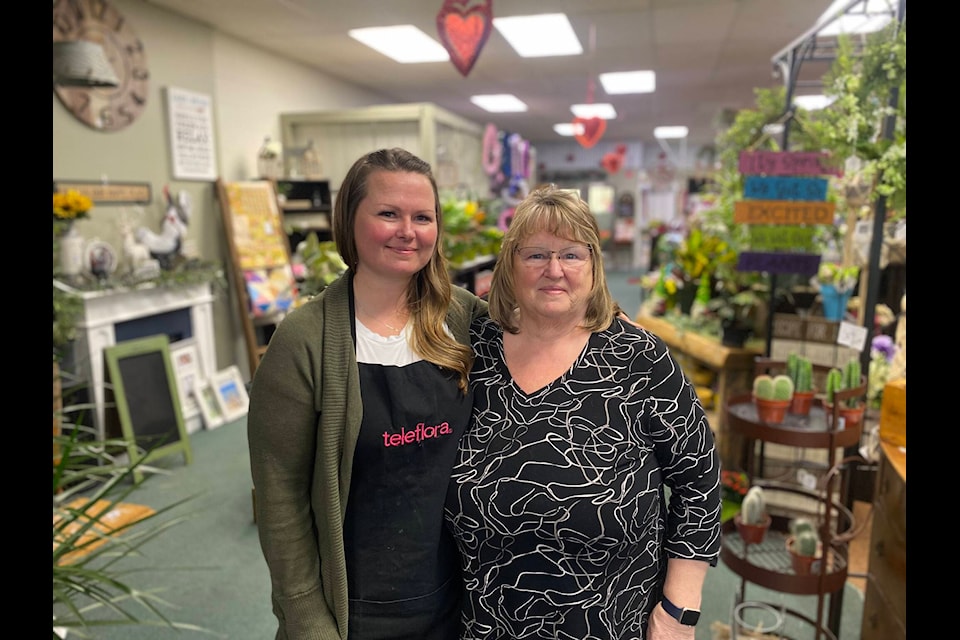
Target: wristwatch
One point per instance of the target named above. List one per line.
(688, 617)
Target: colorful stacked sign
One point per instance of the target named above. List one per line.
(784, 196)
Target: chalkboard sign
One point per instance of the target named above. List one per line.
(147, 402)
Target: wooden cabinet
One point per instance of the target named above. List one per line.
(885, 602)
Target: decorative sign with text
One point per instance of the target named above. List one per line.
(782, 204)
(783, 212)
(190, 121)
(107, 192)
(785, 188)
(787, 163)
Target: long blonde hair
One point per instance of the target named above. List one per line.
(429, 292)
(563, 214)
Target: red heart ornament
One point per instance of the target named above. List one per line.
(593, 129)
(612, 162)
(464, 31)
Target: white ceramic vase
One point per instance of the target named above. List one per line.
(71, 253)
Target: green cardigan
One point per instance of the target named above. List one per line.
(302, 428)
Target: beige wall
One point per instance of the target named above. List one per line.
(249, 89)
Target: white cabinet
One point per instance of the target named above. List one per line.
(452, 145)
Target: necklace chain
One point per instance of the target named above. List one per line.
(372, 317)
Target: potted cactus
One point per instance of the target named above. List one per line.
(839, 380)
(772, 396)
(800, 370)
(753, 520)
(804, 546)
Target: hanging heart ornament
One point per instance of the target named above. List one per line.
(593, 129)
(464, 31)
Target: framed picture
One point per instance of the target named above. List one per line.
(209, 405)
(186, 366)
(231, 392)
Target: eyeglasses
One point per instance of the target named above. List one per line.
(571, 257)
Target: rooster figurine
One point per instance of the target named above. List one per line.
(165, 246)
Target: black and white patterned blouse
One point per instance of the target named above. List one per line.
(557, 499)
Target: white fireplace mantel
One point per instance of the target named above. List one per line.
(103, 310)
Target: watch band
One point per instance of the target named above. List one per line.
(688, 617)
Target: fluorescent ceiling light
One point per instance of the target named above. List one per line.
(499, 103)
(404, 43)
(664, 133)
(812, 103)
(628, 82)
(865, 17)
(548, 34)
(603, 110)
(568, 129)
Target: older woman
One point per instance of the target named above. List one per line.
(558, 497)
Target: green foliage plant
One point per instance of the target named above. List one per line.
(91, 480)
(322, 262)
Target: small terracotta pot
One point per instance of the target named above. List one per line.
(804, 565)
(752, 533)
(851, 415)
(771, 411)
(801, 402)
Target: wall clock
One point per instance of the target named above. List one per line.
(104, 108)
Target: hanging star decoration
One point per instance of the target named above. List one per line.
(464, 30)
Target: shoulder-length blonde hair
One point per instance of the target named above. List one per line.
(562, 213)
(429, 292)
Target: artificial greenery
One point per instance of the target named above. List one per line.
(322, 264)
(866, 75)
(68, 306)
(467, 232)
(91, 480)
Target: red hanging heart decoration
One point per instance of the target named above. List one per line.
(593, 129)
(612, 162)
(464, 31)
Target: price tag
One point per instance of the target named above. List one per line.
(851, 335)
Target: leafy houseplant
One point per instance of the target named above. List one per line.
(94, 529)
(753, 520)
(699, 255)
(800, 370)
(738, 314)
(322, 264)
(772, 396)
(835, 283)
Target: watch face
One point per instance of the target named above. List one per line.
(104, 108)
(689, 617)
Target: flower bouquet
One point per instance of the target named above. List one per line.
(836, 283)
(69, 206)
